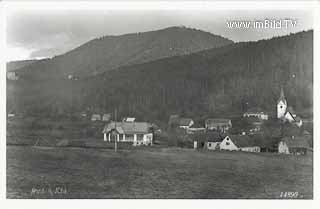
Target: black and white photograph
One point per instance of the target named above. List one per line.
(157, 103)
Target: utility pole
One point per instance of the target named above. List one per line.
(115, 127)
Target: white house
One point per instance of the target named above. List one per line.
(227, 144)
(12, 76)
(139, 133)
(240, 143)
(96, 117)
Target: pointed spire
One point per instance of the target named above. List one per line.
(282, 97)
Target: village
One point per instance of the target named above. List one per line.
(254, 131)
(219, 133)
(247, 133)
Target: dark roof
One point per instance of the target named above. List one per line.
(305, 132)
(245, 141)
(128, 127)
(217, 121)
(297, 141)
(255, 110)
(290, 115)
(184, 121)
(213, 136)
(197, 125)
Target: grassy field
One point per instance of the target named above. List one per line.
(52, 172)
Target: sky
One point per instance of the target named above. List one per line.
(36, 34)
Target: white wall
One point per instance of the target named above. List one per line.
(283, 148)
(250, 149)
(227, 144)
(212, 145)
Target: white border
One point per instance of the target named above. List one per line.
(162, 5)
(155, 5)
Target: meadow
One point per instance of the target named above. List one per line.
(154, 172)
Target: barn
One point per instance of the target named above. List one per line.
(294, 145)
(218, 124)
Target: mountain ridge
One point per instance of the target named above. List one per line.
(110, 52)
(216, 82)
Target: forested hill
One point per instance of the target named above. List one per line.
(218, 82)
(110, 52)
(16, 65)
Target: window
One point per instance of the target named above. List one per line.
(209, 144)
(227, 143)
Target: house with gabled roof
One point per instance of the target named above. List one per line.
(240, 143)
(293, 145)
(137, 133)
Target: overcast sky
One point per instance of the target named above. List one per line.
(38, 34)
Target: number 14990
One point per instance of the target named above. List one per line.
(289, 195)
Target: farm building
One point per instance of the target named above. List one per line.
(196, 128)
(207, 140)
(129, 119)
(218, 124)
(83, 114)
(239, 143)
(12, 76)
(177, 121)
(139, 133)
(185, 123)
(293, 145)
(213, 140)
(257, 113)
(96, 117)
(106, 117)
(173, 120)
(11, 115)
(255, 125)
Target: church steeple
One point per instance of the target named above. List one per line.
(282, 97)
(281, 105)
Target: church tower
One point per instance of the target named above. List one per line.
(281, 105)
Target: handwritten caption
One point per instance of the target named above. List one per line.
(49, 190)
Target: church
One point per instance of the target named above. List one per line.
(285, 113)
